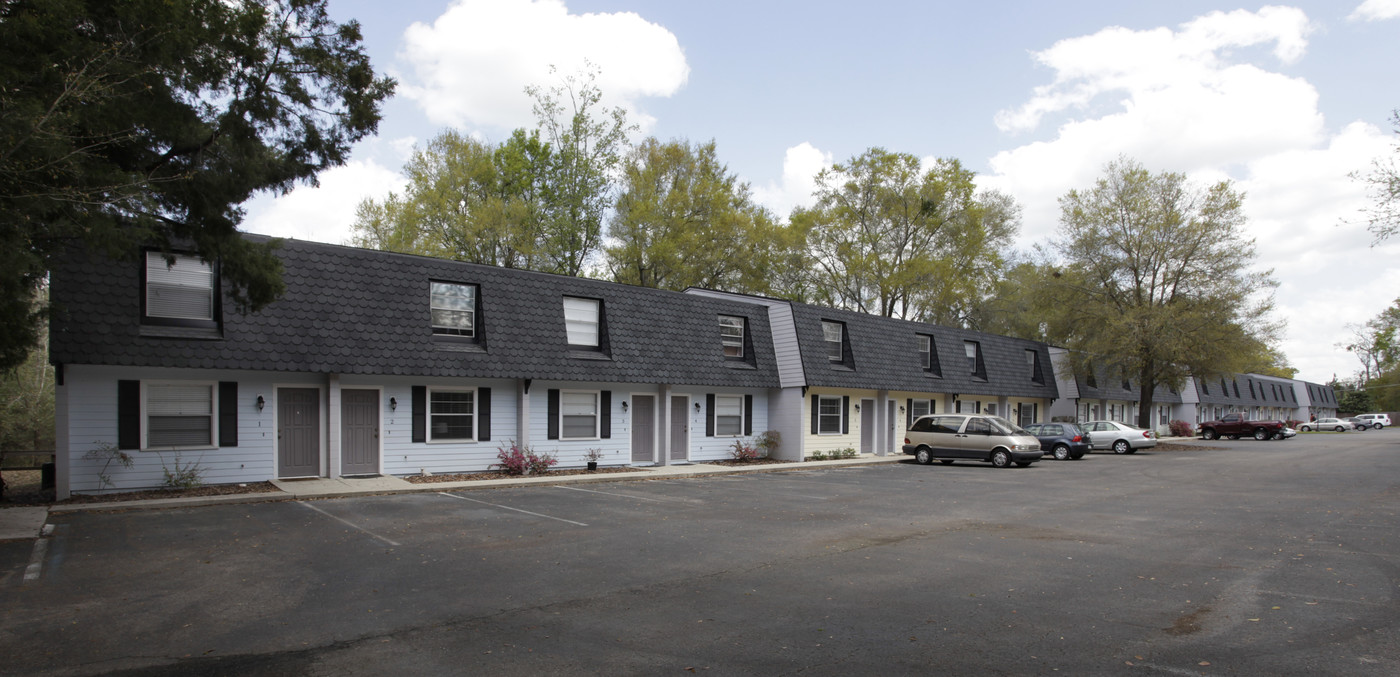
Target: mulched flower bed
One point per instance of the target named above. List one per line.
(22, 488)
(757, 461)
(498, 475)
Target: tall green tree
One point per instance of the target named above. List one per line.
(589, 143)
(683, 219)
(1158, 273)
(1383, 188)
(466, 200)
(891, 238)
(148, 121)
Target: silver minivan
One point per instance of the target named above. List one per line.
(970, 437)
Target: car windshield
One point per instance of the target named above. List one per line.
(1002, 426)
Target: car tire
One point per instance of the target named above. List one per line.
(1378, 426)
(1233, 437)
(1060, 452)
(1122, 447)
(1209, 434)
(1001, 458)
(1261, 434)
(946, 461)
(1340, 429)
(923, 455)
(1306, 429)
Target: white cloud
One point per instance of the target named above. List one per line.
(1376, 10)
(801, 164)
(323, 213)
(470, 67)
(1190, 100)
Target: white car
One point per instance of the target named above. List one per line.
(1335, 424)
(1120, 437)
(1377, 421)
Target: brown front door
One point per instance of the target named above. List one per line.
(359, 432)
(643, 429)
(298, 432)
(680, 428)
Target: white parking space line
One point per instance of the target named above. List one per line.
(768, 490)
(506, 507)
(609, 493)
(351, 524)
(36, 560)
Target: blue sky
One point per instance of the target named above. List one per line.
(1284, 100)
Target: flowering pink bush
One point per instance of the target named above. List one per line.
(517, 460)
(1181, 429)
(743, 452)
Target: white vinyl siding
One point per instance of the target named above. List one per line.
(731, 335)
(184, 291)
(581, 321)
(179, 415)
(453, 309)
(578, 415)
(451, 415)
(729, 415)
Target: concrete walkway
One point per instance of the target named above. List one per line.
(340, 487)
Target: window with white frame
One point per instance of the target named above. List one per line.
(919, 408)
(581, 321)
(731, 335)
(926, 352)
(179, 415)
(829, 415)
(451, 414)
(729, 415)
(453, 308)
(832, 335)
(967, 407)
(1029, 412)
(182, 291)
(578, 415)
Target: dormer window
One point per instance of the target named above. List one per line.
(1033, 366)
(731, 335)
(975, 366)
(833, 334)
(453, 308)
(581, 320)
(926, 352)
(181, 292)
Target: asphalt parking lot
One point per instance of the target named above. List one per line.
(1278, 558)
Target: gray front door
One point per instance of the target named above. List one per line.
(643, 429)
(359, 432)
(680, 428)
(867, 426)
(298, 432)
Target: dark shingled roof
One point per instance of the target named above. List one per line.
(1110, 387)
(1253, 392)
(360, 311)
(884, 355)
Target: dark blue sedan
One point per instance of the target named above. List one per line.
(1060, 440)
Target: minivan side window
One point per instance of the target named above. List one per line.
(946, 424)
(979, 426)
(923, 425)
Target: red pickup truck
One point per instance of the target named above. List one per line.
(1234, 426)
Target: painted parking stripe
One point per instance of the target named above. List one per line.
(351, 524)
(609, 493)
(506, 507)
(36, 561)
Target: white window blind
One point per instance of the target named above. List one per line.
(179, 415)
(579, 415)
(729, 414)
(581, 321)
(453, 309)
(183, 291)
(731, 335)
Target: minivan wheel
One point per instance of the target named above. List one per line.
(923, 455)
(1121, 447)
(1061, 452)
(1001, 458)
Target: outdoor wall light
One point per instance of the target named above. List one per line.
(393, 404)
(857, 407)
(697, 406)
(261, 402)
(901, 409)
(624, 406)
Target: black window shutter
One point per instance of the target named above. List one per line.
(228, 413)
(748, 414)
(710, 415)
(553, 412)
(816, 403)
(420, 413)
(909, 412)
(845, 418)
(483, 414)
(128, 414)
(605, 415)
